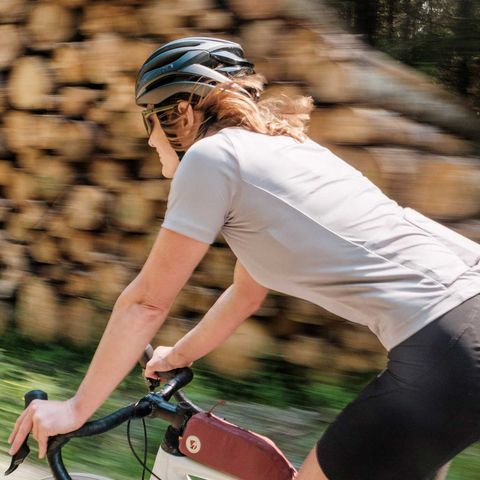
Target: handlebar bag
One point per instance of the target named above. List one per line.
(226, 447)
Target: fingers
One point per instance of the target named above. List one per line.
(42, 445)
(23, 426)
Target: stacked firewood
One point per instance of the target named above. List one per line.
(82, 194)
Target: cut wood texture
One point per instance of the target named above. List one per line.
(133, 212)
(13, 10)
(239, 355)
(81, 325)
(362, 126)
(30, 84)
(37, 313)
(83, 195)
(11, 44)
(49, 23)
(68, 63)
(86, 207)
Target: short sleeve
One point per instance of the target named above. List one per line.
(202, 189)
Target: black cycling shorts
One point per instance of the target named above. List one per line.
(420, 412)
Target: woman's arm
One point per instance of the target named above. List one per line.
(234, 306)
(138, 313)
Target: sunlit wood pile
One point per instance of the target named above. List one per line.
(82, 196)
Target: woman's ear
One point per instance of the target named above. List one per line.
(185, 108)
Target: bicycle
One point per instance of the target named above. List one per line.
(189, 449)
(178, 457)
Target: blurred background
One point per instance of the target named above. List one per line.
(397, 90)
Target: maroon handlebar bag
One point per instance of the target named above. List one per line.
(231, 449)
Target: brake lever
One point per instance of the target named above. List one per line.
(24, 450)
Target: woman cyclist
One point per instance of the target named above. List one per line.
(303, 222)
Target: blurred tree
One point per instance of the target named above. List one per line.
(439, 37)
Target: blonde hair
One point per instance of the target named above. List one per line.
(238, 103)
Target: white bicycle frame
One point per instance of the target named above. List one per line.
(170, 467)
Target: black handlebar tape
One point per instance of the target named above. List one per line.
(182, 377)
(147, 355)
(95, 427)
(34, 395)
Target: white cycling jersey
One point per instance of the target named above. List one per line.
(304, 222)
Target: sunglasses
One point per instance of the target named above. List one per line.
(153, 111)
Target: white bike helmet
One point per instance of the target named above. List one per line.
(192, 65)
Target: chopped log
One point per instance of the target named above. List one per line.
(127, 125)
(29, 159)
(135, 248)
(351, 362)
(362, 126)
(76, 140)
(13, 10)
(108, 173)
(132, 212)
(5, 208)
(49, 23)
(109, 280)
(347, 82)
(266, 29)
(104, 57)
(31, 216)
(218, 264)
(160, 18)
(30, 84)
(253, 10)
(68, 63)
(298, 49)
(85, 207)
(11, 45)
(155, 189)
(280, 89)
(72, 3)
(14, 267)
(6, 170)
(238, 356)
(118, 95)
(56, 224)
(77, 283)
(79, 247)
(103, 17)
(306, 351)
(75, 101)
(53, 177)
(21, 188)
(283, 327)
(360, 339)
(194, 299)
(363, 160)
(151, 167)
(170, 332)
(36, 312)
(214, 20)
(18, 128)
(469, 228)
(447, 188)
(44, 249)
(79, 322)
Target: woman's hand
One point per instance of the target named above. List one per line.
(44, 418)
(161, 361)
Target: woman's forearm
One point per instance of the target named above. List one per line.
(228, 312)
(129, 330)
